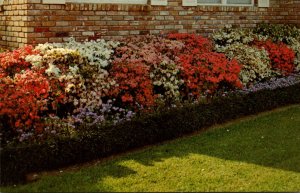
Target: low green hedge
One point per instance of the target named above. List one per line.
(16, 162)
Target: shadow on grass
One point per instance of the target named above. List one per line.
(270, 140)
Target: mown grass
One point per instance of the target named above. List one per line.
(258, 153)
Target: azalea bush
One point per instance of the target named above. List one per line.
(167, 83)
(204, 72)
(255, 62)
(14, 62)
(282, 57)
(134, 86)
(3, 50)
(146, 71)
(82, 67)
(22, 98)
(23, 93)
(207, 72)
(229, 35)
(148, 50)
(97, 53)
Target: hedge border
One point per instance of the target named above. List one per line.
(16, 162)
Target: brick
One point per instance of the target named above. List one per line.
(41, 6)
(48, 34)
(100, 13)
(34, 1)
(164, 13)
(88, 33)
(61, 34)
(94, 28)
(128, 18)
(41, 40)
(41, 29)
(55, 39)
(88, 23)
(62, 23)
(93, 18)
(134, 32)
(56, 7)
(88, 13)
(68, 18)
(160, 18)
(160, 27)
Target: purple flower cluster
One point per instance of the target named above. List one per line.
(85, 116)
(106, 114)
(272, 84)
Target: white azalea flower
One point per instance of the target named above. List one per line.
(52, 70)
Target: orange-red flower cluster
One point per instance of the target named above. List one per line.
(282, 57)
(14, 61)
(193, 42)
(23, 98)
(135, 87)
(205, 71)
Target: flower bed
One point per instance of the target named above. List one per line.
(65, 103)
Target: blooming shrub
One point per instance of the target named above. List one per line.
(134, 86)
(167, 82)
(282, 57)
(255, 62)
(108, 113)
(204, 72)
(156, 57)
(22, 99)
(228, 36)
(97, 53)
(13, 62)
(148, 50)
(84, 81)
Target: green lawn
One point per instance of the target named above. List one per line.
(259, 153)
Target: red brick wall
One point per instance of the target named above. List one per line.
(29, 21)
(13, 23)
